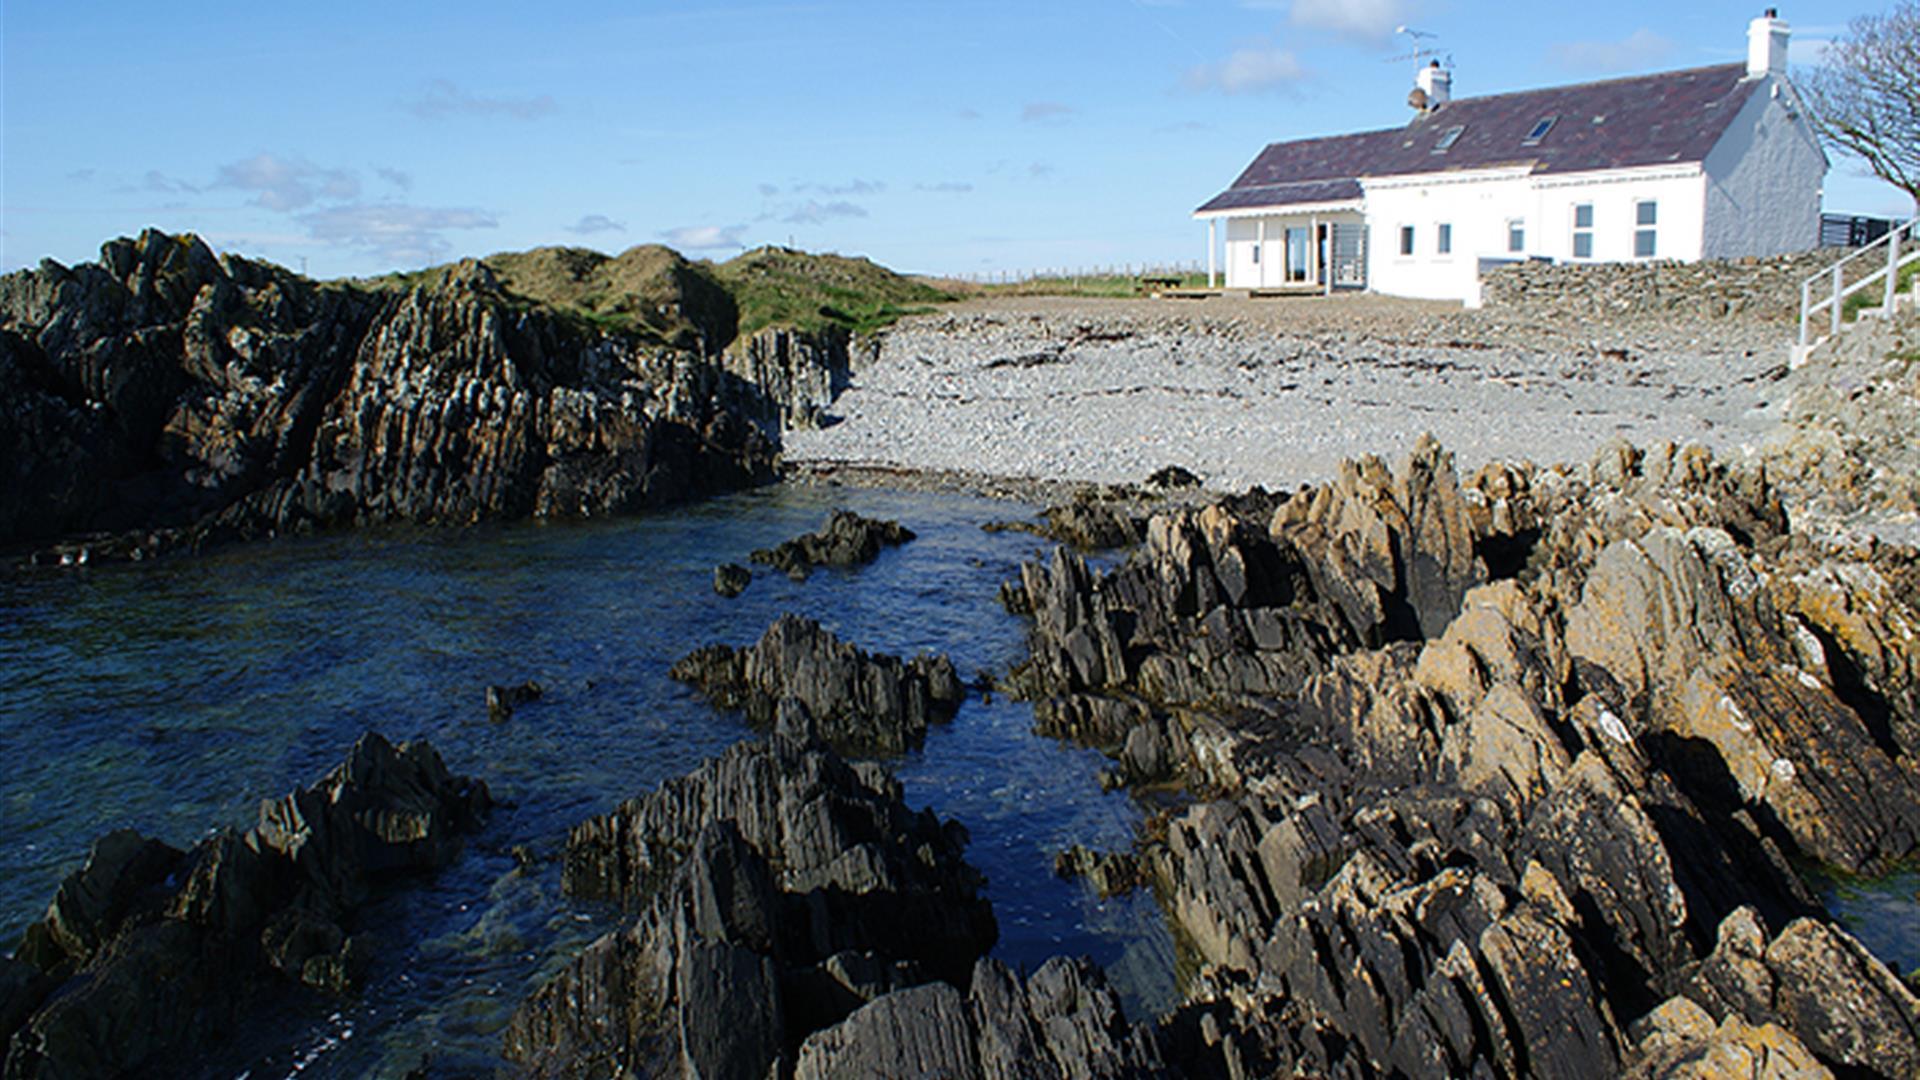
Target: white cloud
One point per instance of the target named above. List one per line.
(1252, 69)
(1045, 110)
(395, 232)
(157, 181)
(287, 184)
(815, 212)
(444, 98)
(594, 223)
(398, 178)
(1363, 20)
(1641, 49)
(698, 237)
(947, 187)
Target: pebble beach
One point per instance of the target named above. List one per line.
(1276, 392)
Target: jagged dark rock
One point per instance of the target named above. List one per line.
(147, 951)
(1063, 1021)
(731, 579)
(803, 680)
(847, 540)
(165, 397)
(1092, 521)
(1172, 478)
(502, 700)
(1487, 768)
(778, 889)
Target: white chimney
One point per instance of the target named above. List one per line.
(1437, 83)
(1767, 45)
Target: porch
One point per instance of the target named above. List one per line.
(1305, 250)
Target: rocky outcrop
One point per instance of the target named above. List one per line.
(165, 396)
(1092, 520)
(1500, 776)
(147, 950)
(846, 540)
(779, 889)
(802, 680)
(731, 579)
(1062, 1021)
(794, 375)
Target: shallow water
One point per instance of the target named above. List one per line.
(172, 697)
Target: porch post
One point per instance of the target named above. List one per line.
(1212, 245)
(1313, 249)
(1260, 251)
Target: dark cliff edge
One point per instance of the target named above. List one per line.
(164, 398)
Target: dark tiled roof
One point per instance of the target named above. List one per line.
(1295, 194)
(1646, 120)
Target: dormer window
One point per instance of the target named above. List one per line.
(1540, 129)
(1448, 138)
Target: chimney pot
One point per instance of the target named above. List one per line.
(1767, 45)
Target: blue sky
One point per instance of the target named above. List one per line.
(954, 138)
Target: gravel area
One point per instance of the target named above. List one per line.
(1277, 392)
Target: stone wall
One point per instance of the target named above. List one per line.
(1765, 288)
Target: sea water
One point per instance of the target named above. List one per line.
(171, 697)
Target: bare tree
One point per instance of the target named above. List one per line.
(1865, 95)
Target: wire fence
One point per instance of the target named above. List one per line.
(1082, 273)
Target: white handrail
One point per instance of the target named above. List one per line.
(1835, 302)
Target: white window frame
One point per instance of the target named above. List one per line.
(1408, 242)
(1516, 229)
(1646, 225)
(1443, 238)
(1582, 232)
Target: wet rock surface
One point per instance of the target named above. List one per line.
(802, 680)
(147, 952)
(164, 397)
(846, 540)
(779, 888)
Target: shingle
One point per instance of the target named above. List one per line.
(1659, 119)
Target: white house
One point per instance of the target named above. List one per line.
(1712, 162)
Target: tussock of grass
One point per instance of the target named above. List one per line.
(654, 293)
(777, 286)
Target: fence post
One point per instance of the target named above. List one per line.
(1893, 268)
(1806, 302)
(1836, 299)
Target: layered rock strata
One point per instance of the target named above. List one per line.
(778, 890)
(147, 952)
(1504, 776)
(801, 680)
(165, 396)
(846, 540)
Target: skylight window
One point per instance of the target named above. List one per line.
(1448, 138)
(1539, 131)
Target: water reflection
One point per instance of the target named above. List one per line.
(172, 697)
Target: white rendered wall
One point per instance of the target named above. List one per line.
(1477, 208)
(1764, 179)
(1678, 195)
(1481, 208)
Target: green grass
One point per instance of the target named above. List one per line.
(1873, 295)
(775, 286)
(653, 293)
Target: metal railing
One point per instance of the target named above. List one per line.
(1835, 289)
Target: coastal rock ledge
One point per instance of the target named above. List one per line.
(147, 953)
(163, 397)
(1514, 775)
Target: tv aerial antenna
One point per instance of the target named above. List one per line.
(1422, 49)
